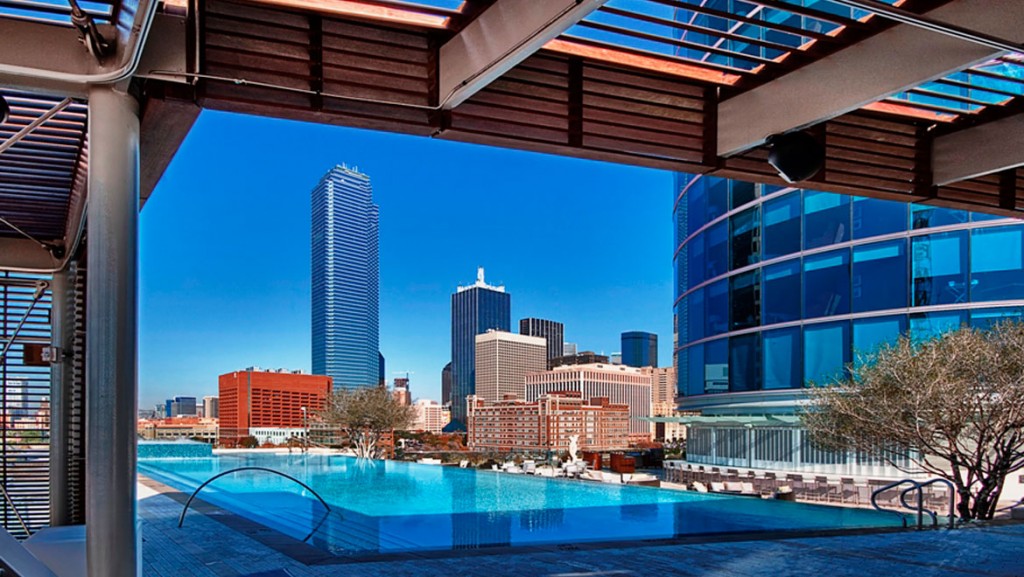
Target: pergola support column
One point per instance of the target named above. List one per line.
(61, 335)
(112, 540)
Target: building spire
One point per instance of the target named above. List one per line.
(480, 275)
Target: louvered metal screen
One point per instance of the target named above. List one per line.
(24, 403)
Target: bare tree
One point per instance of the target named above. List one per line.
(366, 415)
(952, 407)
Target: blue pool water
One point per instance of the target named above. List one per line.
(388, 506)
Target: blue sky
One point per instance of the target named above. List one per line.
(225, 248)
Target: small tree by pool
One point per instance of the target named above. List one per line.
(957, 400)
(366, 415)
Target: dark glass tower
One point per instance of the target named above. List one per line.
(639, 349)
(345, 279)
(553, 331)
(475, 309)
(446, 383)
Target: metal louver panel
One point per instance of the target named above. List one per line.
(75, 394)
(24, 404)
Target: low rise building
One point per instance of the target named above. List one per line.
(547, 423)
(431, 416)
(204, 429)
(620, 384)
(256, 399)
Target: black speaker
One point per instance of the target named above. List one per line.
(5, 110)
(796, 155)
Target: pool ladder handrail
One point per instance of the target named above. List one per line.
(327, 508)
(919, 508)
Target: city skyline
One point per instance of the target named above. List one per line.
(190, 332)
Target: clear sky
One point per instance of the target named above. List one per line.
(224, 260)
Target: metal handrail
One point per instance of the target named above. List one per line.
(919, 509)
(181, 518)
(14, 508)
(919, 487)
(882, 489)
(952, 500)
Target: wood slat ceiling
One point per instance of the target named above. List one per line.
(579, 98)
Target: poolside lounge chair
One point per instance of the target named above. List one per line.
(747, 488)
(717, 487)
(699, 487)
(733, 487)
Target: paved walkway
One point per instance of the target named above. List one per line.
(208, 547)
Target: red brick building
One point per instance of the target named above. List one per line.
(547, 423)
(254, 398)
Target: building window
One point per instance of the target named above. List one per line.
(695, 265)
(716, 299)
(746, 237)
(927, 326)
(826, 218)
(987, 318)
(874, 217)
(782, 226)
(939, 264)
(695, 370)
(826, 352)
(745, 300)
(924, 216)
(782, 359)
(827, 284)
(781, 294)
(880, 276)
(717, 250)
(716, 366)
(997, 269)
(745, 363)
(696, 208)
(741, 193)
(717, 190)
(870, 334)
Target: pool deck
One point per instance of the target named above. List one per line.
(217, 544)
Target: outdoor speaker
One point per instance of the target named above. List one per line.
(796, 155)
(5, 109)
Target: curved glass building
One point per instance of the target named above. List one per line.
(779, 288)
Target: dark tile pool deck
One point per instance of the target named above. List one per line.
(216, 544)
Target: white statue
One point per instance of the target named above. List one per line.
(574, 445)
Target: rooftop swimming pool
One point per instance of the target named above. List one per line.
(391, 507)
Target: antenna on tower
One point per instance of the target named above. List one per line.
(480, 275)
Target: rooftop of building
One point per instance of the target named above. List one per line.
(480, 283)
(495, 335)
(599, 367)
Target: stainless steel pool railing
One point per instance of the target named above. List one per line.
(327, 508)
(918, 508)
(920, 499)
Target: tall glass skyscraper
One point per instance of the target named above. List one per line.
(779, 288)
(475, 309)
(345, 270)
(639, 349)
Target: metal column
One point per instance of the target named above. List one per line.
(111, 348)
(60, 373)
